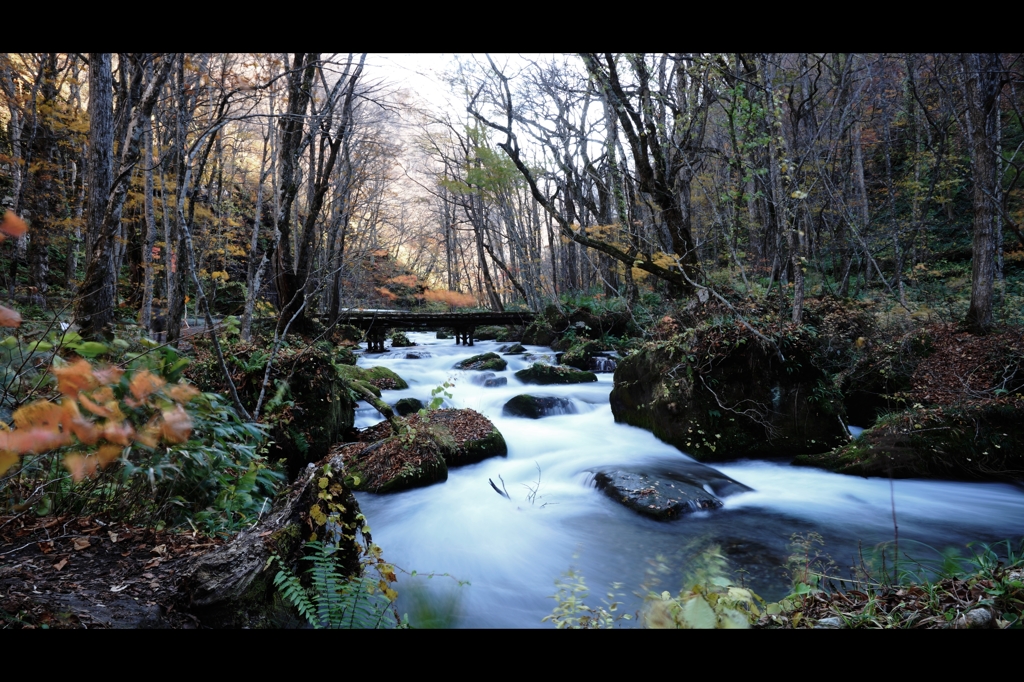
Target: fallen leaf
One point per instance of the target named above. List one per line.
(159, 549)
(113, 536)
(45, 547)
(61, 564)
(81, 543)
(119, 588)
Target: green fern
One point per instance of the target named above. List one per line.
(334, 601)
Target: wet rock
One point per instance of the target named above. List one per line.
(407, 406)
(579, 355)
(654, 496)
(441, 334)
(547, 374)
(490, 333)
(602, 364)
(512, 349)
(535, 407)
(488, 380)
(485, 361)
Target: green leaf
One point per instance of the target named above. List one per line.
(90, 349)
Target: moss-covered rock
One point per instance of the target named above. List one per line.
(407, 406)
(484, 362)
(442, 334)
(979, 442)
(476, 438)
(724, 395)
(546, 374)
(580, 354)
(314, 410)
(400, 340)
(535, 407)
(380, 377)
(512, 349)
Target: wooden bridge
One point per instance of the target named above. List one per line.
(376, 323)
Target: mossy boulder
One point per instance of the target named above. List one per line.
(546, 374)
(316, 410)
(580, 354)
(978, 442)
(484, 362)
(442, 335)
(422, 454)
(490, 333)
(512, 349)
(379, 377)
(535, 407)
(407, 406)
(725, 395)
(343, 355)
(400, 340)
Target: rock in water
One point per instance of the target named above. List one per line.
(485, 361)
(535, 407)
(546, 374)
(653, 496)
(407, 406)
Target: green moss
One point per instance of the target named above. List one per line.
(484, 362)
(546, 374)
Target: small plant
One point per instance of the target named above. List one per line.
(334, 601)
(572, 612)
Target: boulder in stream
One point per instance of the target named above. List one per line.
(489, 380)
(512, 349)
(668, 491)
(383, 462)
(378, 377)
(535, 407)
(407, 406)
(482, 362)
(547, 374)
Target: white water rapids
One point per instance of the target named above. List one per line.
(511, 553)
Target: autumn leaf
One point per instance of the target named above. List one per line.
(108, 375)
(183, 393)
(144, 384)
(108, 453)
(80, 466)
(34, 440)
(121, 433)
(74, 377)
(7, 460)
(97, 410)
(9, 318)
(40, 413)
(177, 425)
(13, 226)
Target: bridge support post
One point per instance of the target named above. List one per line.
(464, 335)
(375, 340)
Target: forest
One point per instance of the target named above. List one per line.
(809, 260)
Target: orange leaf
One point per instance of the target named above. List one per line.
(9, 318)
(149, 435)
(144, 383)
(108, 453)
(182, 393)
(40, 413)
(33, 440)
(7, 460)
(80, 466)
(122, 433)
(13, 226)
(108, 375)
(74, 377)
(97, 410)
(177, 425)
(76, 424)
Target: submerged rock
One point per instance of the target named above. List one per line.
(547, 374)
(535, 407)
(484, 361)
(489, 380)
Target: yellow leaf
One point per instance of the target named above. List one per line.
(7, 460)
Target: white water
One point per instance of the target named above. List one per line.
(512, 553)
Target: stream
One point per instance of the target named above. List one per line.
(512, 553)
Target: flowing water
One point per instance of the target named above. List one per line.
(511, 553)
